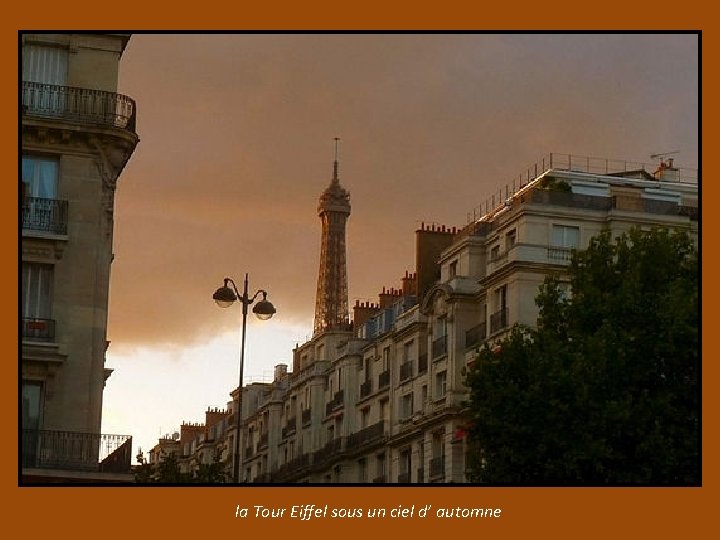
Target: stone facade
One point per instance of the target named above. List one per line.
(77, 136)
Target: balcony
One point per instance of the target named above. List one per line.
(75, 451)
(289, 428)
(384, 379)
(559, 255)
(437, 468)
(336, 403)
(80, 105)
(498, 320)
(475, 335)
(306, 417)
(45, 215)
(366, 388)
(34, 329)
(327, 452)
(439, 347)
(293, 466)
(422, 363)
(406, 371)
(368, 435)
(262, 441)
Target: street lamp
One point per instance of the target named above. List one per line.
(225, 297)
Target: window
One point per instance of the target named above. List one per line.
(364, 417)
(495, 252)
(330, 433)
(381, 465)
(438, 448)
(386, 359)
(406, 405)
(36, 290)
(40, 176)
(452, 270)
(405, 462)
(362, 470)
(44, 64)
(440, 327)
(565, 236)
(440, 384)
(424, 394)
(510, 239)
(407, 351)
(31, 405)
(383, 409)
(500, 298)
(367, 369)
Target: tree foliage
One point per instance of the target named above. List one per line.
(168, 472)
(605, 389)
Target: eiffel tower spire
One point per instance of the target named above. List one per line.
(331, 301)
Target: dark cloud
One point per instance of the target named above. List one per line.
(236, 145)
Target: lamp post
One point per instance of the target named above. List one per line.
(225, 297)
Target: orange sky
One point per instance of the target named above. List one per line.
(236, 145)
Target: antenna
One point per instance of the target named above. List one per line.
(335, 164)
(663, 154)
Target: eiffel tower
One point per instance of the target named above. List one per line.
(331, 301)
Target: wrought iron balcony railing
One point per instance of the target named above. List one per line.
(81, 105)
(263, 441)
(384, 379)
(475, 335)
(439, 347)
(289, 427)
(437, 467)
(327, 452)
(406, 371)
(70, 450)
(498, 320)
(44, 215)
(366, 388)
(335, 403)
(422, 363)
(367, 435)
(34, 329)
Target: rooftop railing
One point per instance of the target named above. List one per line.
(581, 164)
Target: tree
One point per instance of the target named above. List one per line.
(605, 389)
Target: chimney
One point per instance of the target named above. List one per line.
(362, 312)
(280, 371)
(428, 246)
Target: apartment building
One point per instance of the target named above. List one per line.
(77, 135)
(383, 401)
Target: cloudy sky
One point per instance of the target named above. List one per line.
(236, 144)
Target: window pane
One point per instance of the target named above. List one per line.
(43, 64)
(36, 290)
(40, 176)
(31, 395)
